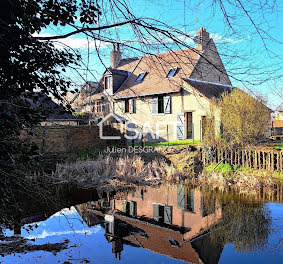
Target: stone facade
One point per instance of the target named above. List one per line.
(72, 139)
(187, 101)
(177, 199)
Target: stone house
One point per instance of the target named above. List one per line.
(277, 123)
(168, 95)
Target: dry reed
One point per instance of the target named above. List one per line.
(128, 170)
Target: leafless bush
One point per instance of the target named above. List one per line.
(245, 183)
(123, 169)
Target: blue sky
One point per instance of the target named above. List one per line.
(244, 53)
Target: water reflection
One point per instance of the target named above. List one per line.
(185, 223)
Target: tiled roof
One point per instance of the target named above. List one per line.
(124, 62)
(157, 67)
(118, 72)
(97, 96)
(92, 84)
(158, 240)
(48, 108)
(209, 89)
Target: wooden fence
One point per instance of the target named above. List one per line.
(271, 160)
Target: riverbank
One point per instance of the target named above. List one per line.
(162, 165)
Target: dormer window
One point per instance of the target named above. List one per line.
(172, 72)
(107, 82)
(141, 77)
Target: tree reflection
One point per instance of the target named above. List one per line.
(244, 224)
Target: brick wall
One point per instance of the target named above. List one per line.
(72, 139)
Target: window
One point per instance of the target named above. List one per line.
(129, 207)
(98, 107)
(108, 82)
(208, 206)
(105, 107)
(162, 213)
(161, 104)
(173, 242)
(190, 200)
(130, 106)
(171, 72)
(127, 106)
(141, 77)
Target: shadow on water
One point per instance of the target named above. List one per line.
(186, 223)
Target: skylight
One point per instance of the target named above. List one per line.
(140, 77)
(172, 72)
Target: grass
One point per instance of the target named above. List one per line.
(226, 169)
(278, 144)
(171, 143)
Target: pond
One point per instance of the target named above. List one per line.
(165, 224)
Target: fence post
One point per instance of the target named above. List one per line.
(255, 159)
(272, 161)
(167, 136)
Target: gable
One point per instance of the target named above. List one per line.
(210, 67)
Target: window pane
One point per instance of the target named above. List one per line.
(108, 82)
(127, 106)
(171, 72)
(140, 77)
(160, 104)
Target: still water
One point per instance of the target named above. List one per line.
(165, 224)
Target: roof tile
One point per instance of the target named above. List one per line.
(157, 66)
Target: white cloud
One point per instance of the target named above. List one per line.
(220, 39)
(75, 43)
(65, 211)
(45, 233)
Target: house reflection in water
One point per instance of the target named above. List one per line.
(170, 220)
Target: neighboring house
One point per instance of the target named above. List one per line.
(277, 123)
(279, 112)
(81, 101)
(61, 118)
(54, 113)
(172, 89)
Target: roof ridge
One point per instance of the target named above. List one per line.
(173, 51)
(166, 52)
(213, 83)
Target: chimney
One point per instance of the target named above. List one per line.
(115, 55)
(203, 38)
